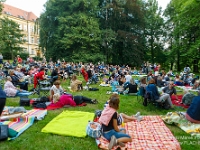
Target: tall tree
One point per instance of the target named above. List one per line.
(11, 36)
(186, 36)
(154, 31)
(70, 28)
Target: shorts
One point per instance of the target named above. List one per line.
(118, 135)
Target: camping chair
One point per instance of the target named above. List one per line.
(140, 94)
(43, 88)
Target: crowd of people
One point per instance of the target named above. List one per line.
(20, 74)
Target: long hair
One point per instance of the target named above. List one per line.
(114, 101)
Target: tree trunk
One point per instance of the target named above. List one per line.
(195, 66)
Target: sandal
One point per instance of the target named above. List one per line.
(94, 101)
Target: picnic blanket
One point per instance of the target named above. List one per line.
(36, 113)
(69, 123)
(178, 102)
(179, 119)
(20, 124)
(151, 133)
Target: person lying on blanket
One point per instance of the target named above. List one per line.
(11, 90)
(108, 119)
(193, 112)
(67, 99)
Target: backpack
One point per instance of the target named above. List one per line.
(187, 98)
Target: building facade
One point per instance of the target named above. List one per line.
(26, 21)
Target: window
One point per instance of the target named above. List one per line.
(20, 26)
(25, 27)
(32, 51)
(25, 39)
(32, 39)
(38, 40)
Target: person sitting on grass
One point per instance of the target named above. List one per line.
(108, 119)
(130, 88)
(56, 88)
(193, 113)
(11, 90)
(75, 84)
(170, 89)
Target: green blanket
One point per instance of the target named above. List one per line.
(178, 119)
(69, 123)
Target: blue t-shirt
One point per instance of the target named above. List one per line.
(194, 109)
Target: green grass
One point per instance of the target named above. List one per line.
(33, 138)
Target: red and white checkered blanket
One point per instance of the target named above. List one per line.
(149, 134)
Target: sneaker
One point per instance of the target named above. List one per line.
(112, 143)
(139, 118)
(137, 114)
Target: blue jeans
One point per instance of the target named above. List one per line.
(23, 93)
(118, 135)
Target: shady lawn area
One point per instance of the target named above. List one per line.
(34, 139)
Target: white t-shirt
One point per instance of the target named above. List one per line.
(128, 78)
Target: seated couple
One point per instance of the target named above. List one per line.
(110, 120)
(12, 91)
(59, 99)
(163, 98)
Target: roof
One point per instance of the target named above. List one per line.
(16, 12)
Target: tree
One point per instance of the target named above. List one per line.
(11, 36)
(154, 31)
(67, 28)
(185, 32)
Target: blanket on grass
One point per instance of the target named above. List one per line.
(179, 119)
(151, 133)
(20, 124)
(36, 113)
(178, 102)
(69, 123)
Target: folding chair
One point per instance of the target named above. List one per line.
(140, 94)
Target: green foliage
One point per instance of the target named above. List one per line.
(10, 36)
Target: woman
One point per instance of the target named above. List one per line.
(132, 87)
(178, 81)
(75, 84)
(170, 89)
(84, 73)
(2, 99)
(110, 128)
(16, 81)
(11, 90)
(56, 88)
(196, 85)
(39, 76)
(164, 98)
(193, 113)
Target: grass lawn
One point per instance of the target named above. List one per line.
(33, 138)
